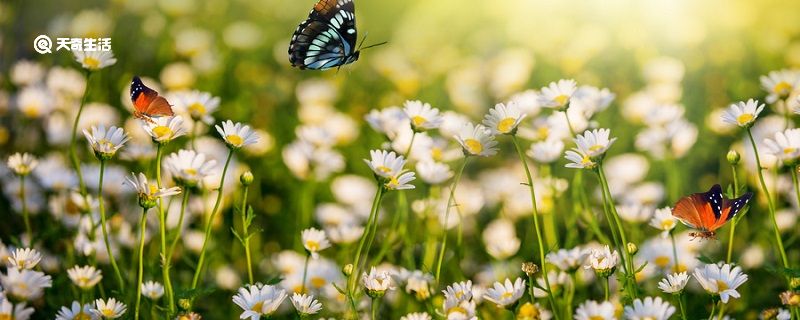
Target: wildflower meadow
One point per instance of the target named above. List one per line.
(510, 159)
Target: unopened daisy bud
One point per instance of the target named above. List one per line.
(185, 304)
(769, 314)
(733, 157)
(794, 283)
(347, 269)
(530, 268)
(790, 298)
(632, 248)
(246, 178)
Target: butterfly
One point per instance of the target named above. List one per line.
(708, 211)
(327, 39)
(147, 103)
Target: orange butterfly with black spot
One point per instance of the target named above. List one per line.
(708, 211)
(147, 103)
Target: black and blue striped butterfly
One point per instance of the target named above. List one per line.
(327, 39)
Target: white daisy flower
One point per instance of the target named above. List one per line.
(503, 118)
(591, 100)
(742, 113)
(603, 261)
(259, 300)
(505, 294)
(24, 258)
(455, 309)
(592, 310)
(557, 95)
(76, 311)
(344, 233)
(35, 102)
(376, 283)
(557, 279)
(594, 143)
(109, 309)
(152, 290)
(401, 181)
(199, 105)
(416, 282)
(720, 280)
(476, 140)
(785, 146)
(459, 291)
(546, 151)
(188, 167)
(85, 277)
(95, 60)
(533, 311)
(663, 220)
(422, 116)
(579, 160)
(568, 260)
(148, 193)
(306, 304)
(674, 283)
(417, 316)
(433, 172)
(635, 212)
(314, 241)
(22, 163)
(387, 121)
(649, 309)
(25, 285)
(385, 164)
(165, 129)
(105, 143)
(13, 311)
(26, 72)
(780, 84)
(237, 135)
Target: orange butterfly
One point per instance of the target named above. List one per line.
(707, 212)
(147, 103)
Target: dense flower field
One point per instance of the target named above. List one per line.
(535, 160)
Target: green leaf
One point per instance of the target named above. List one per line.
(236, 234)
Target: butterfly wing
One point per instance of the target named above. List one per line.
(327, 38)
(700, 210)
(147, 102)
(730, 208)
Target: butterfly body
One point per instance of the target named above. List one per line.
(327, 39)
(147, 103)
(708, 211)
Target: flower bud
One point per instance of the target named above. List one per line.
(185, 304)
(347, 269)
(632, 248)
(530, 268)
(794, 283)
(246, 178)
(733, 157)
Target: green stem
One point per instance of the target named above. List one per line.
(162, 222)
(376, 202)
(770, 204)
(733, 223)
(168, 260)
(143, 226)
(246, 236)
(713, 311)
(209, 223)
(375, 303)
(626, 257)
(104, 227)
(536, 226)
(25, 216)
(73, 155)
(675, 264)
(680, 305)
(305, 274)
(450, 203)
(605, 288)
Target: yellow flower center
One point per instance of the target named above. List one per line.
(153, 188)
(586, 161)
(190, 172)
(561, 100)
(721, 286)
(662, 261)
(257, 307)
(105, 143)
(31, 111)
(543, 132)
(782, 88)
(83, 281)
(649, 318)
(234, 139)
(667, 224)
(312, 245)
(5, 316)
(393, 183)
(383, 169)
(680, 267)
(82, 316)
(473, 146)
(789, 150)
(596, 147)
(108, 312)
(457, 309)
(436, 153)
(318, 282)
(506, 295)
(596, 318)
(506, 125)
(91, 62)
(418, 121)
(528, 311)
(162, 131)
(197, 108)
(745, 118)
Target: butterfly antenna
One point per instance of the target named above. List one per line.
(361, 44)
(362, 41)
(374, 45)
